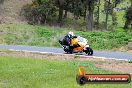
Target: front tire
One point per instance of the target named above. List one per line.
(81, 80)
(89, 51)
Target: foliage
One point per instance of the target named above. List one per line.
(128, 17)
(37, 13)
(129, 14)
(52, 11)
(106, 40)
(130, 61)
(2, 1)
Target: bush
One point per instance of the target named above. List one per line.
(128, 17)
(37, 13)
(106, 40)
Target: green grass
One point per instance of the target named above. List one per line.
(24, 34)
(4, 50)
(130, 61)
(38, 73)
(107, 40)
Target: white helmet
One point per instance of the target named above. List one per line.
(71, 33)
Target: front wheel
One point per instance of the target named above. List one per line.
(81, 80)
(89, 51)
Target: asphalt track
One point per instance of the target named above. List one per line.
(103, 54)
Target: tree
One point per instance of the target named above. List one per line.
(39, 12)
(2, 1)
(98, 11)
(90, 22)
(109, 10)
(73, 6)
(128, 17)
(60, 4)
(131, 2)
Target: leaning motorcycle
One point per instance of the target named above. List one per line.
(75, 45)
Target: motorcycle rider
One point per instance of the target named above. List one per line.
(72, 36)
(67, 41)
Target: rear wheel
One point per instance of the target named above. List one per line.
(89, 51)
(68, 50)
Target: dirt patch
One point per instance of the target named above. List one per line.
(50, 56)
(127, 48)
(36, 55)
(123, 67)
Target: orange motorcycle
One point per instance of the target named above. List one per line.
(75, 45)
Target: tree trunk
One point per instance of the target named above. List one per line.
(90, 20)
(65, 15)
(107, 15)
(60, 15)
(2, 1)
(98, 12)
(106, 21)
(126, 24)
(113, 18)
(131, 2)
(85, 13)
(61, 5)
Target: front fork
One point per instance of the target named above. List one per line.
(85, 49)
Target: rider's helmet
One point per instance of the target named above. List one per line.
(71, 33)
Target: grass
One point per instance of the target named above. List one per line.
(24, 34)
(130, 61)
(38, 73)
(4, 50)
(107, 40)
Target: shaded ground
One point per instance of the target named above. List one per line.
(107, 64)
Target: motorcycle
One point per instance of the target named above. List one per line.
(75, 45)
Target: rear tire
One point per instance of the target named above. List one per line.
(68, 51)
(89, 51)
